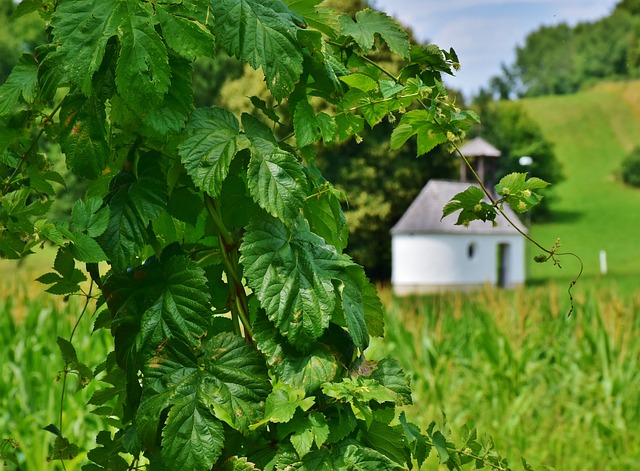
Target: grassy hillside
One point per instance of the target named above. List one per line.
(592, 133)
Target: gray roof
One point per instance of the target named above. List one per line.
(478, 147)
(423, 216)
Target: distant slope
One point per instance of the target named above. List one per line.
(592, 132)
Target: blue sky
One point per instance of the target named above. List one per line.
(485, 33)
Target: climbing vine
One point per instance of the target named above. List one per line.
(213, 245)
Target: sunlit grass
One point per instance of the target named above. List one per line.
(559, 391)
(30, 373)
(592, 132)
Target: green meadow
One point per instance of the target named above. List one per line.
(592, 132)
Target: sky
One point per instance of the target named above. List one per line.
(485, 33)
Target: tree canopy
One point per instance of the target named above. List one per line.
(561, 59)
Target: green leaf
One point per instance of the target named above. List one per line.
(360, 81)
(90, 216)
(81, 29)
(84, 135)
(368, 23)
(517, 191)
(133, 204)
(291, 274)
(277, 181)
(192, 436)
(168, 117)
(186, 36)
(282, 403)
(228, 384)
(326, 218)
(22, 83)
(142, 73)
(209, 143)
(306, 431)
(388, 440)
(86, 249)
(350, 287)
(389, 374)
(322, 18)
(262, 33)
(440, 444)
(309, 127)
(421, 123)
(356, 456)
(415, 440)
(472, 206)
(309, 370)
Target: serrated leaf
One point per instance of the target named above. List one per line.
(90, 216)
(186, 36)
(415, 440)
(516, 190)
(168, 117)
(440, 444)
(353, 288)
(262, 33)
(228, 385)
(192, 436)
(22, 83)
(389, 88)
(471, 205)
(133, 203)
(291, 274)
(420, 123)
(84, 135)
(209, 143)
(357, 456)
(67, 350)
(310, 369)
(322, 18)
(306, 431)
(283, 402)
(389, 374)
(368, 23)
(309, 127)
(50, 231)
(388, 440)
(86, 249)
(142, 72)
(82, 28)
(360, 81)
(276, 179)
(326, 218)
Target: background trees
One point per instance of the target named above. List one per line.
(561, 59)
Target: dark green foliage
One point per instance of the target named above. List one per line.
(630, 170)
(240, 326)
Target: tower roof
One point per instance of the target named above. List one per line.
(478, 147)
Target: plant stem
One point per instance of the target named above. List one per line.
(229, 249)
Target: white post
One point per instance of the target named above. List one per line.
(603, 262)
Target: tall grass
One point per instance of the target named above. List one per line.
(562, 392)
(30, 380)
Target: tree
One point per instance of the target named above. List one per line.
(240, 325)
(562, 59)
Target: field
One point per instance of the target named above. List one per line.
(560, 391)
(592, 132)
